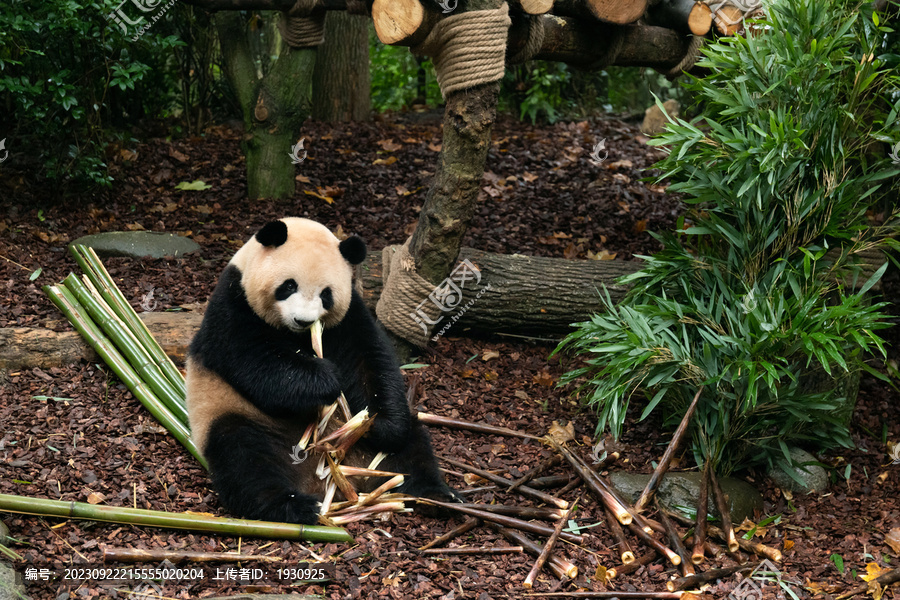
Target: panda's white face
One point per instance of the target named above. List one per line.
(295, 271)
(299, 308)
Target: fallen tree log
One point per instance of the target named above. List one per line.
(585, 44)
(524, 295)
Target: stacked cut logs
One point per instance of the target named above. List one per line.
(655, 30)
(581, 31)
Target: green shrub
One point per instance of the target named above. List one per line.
(66, 73)
(761, 287)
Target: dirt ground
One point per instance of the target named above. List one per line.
(91, 441)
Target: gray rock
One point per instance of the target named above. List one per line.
(814, 477)
(137, 244)
(683, 489)
(11, 584)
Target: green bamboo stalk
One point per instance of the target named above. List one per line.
(90, 263)
(157, 518)
(77, 315)
(125, 342)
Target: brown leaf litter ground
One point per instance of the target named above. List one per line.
(92, 441)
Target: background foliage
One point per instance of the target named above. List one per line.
(75, 88)
(760, 297)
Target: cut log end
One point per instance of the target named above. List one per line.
(700, 19)
(618, 12)
(729, 20)
(397, 22)
(536, 7)
(627, 558)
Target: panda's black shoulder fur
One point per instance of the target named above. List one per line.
(277, 371)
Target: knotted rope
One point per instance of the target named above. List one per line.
(690, 58)
(399, 307)
(532, 45)
(468, 49)
(302, 26)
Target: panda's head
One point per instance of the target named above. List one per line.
(295, 271)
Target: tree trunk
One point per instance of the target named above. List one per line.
(274, 106)
(523, 295)
(450, 203)
(341, 90)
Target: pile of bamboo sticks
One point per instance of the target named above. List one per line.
(661, 535)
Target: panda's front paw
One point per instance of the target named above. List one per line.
(328, 387)
(387, 435)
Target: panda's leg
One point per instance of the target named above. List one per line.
(250, 470)
(417, 461)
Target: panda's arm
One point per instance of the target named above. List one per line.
(259, 362)
(283, 383)
(384, 384)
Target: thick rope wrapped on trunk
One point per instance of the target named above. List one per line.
(468, 49)
(400, 307)
(303, 26)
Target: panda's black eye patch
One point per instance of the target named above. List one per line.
(327, 298)
(285, 290)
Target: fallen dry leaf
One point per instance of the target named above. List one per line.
(389, 145)
(561, 433)
(620, 164)
(385, 161)
(95, 498)
(543, 378)
(892, 539)
(320, 196)
(873, 570)
(489, 354)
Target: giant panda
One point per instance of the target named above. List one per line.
(254, 383)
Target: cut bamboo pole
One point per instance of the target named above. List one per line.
(615, 528)
(655, 544)
(505, 521)
(136, 555)
(127, 345)
(438, 421)
(724, 512)
(546, 464)
(154, 518)
(698, 579)
(548, 547)
(592, 481)
(687, 567)
(503, 481)
(467, 525)
(647, 495)
(551, 481)
(470, 551)
(77, 315)
(697, 554)
(521, 512)
(772, 554)
(637, 563)
(93, 267)
(561, 567)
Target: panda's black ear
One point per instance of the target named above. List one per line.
(353, 249)
(273, 233)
